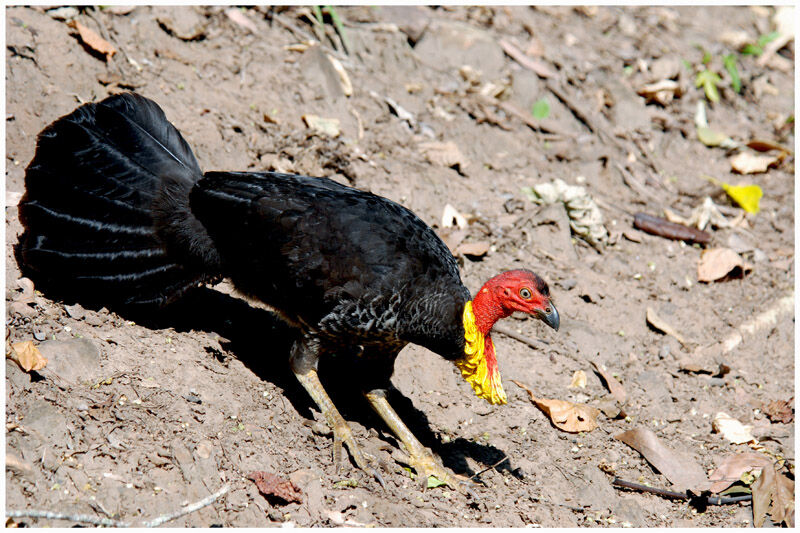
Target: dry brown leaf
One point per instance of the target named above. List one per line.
(780, 411)
(732, 467)
(241, 19)
(475, 249)
(681, 471)
(761, 145)
(661, 325)
(27, 356)
(732, 429)
(718, 263)
(747, 163)
(695, 367)
(614, 387)
(274, 485)
(578, 379)
(774, 494)
(91, 39)
(446, 154)
(566, 416)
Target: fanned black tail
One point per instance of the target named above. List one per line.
(106, 208)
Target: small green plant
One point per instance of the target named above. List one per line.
(729, 61)
(708, 80)
(541, 109)
(758, 48)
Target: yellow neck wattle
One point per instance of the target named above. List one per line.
(479, 366)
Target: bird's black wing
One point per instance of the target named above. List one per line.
(330, 255)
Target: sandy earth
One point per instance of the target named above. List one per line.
(136, 416)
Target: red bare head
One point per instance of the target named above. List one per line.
(515, 290)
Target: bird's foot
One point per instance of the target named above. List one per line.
(429, 466)
(342, 434)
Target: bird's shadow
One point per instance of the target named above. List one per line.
(261, 341)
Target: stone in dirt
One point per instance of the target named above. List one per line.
(76, 361)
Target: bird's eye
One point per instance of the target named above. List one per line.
(525, 293)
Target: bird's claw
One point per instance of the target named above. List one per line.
(426, 466)
(342, 434)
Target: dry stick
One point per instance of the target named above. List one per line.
(599, 129)
(711, 500)
(86, 519)
(534, 343)
(508, 332)
(498, 463)
(188, 509)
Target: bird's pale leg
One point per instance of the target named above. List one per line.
(421, 459)
(342, 434)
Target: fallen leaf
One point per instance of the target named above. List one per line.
(566, 416)
(780, 411)
(274, 485)
(747, 163)
(661, 325)
(669, 229)
(708, 136)
(614, 387)
(91, 39)
(446, 154)
(475, 249)
(718, 263)
(692, 365)
(732, 467)
(747, 196)
(578, 379)
(773, 494)
(681, 471)
(27, 356)
(434, 482)
(663, 91)
(732, 429)
(325, 126)
(761, 145)
(238, 17)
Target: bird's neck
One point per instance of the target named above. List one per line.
(487, 309)
(479, 364)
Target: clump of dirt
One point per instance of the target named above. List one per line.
(146, 414)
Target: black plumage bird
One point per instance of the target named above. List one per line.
(117, 212)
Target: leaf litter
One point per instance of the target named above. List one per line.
(566, 416)
(683, 472)
(27, 356)
(270, 484)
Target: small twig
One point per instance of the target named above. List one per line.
(188, 509)
(498, 463)
(508, 332)
(710, 500)
(86, 519)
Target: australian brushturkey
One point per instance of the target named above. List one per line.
(118, 212)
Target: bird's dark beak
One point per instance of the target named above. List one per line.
(549, 316)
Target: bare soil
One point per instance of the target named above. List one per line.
(161, 410)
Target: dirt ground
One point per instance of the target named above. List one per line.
(135, 417)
